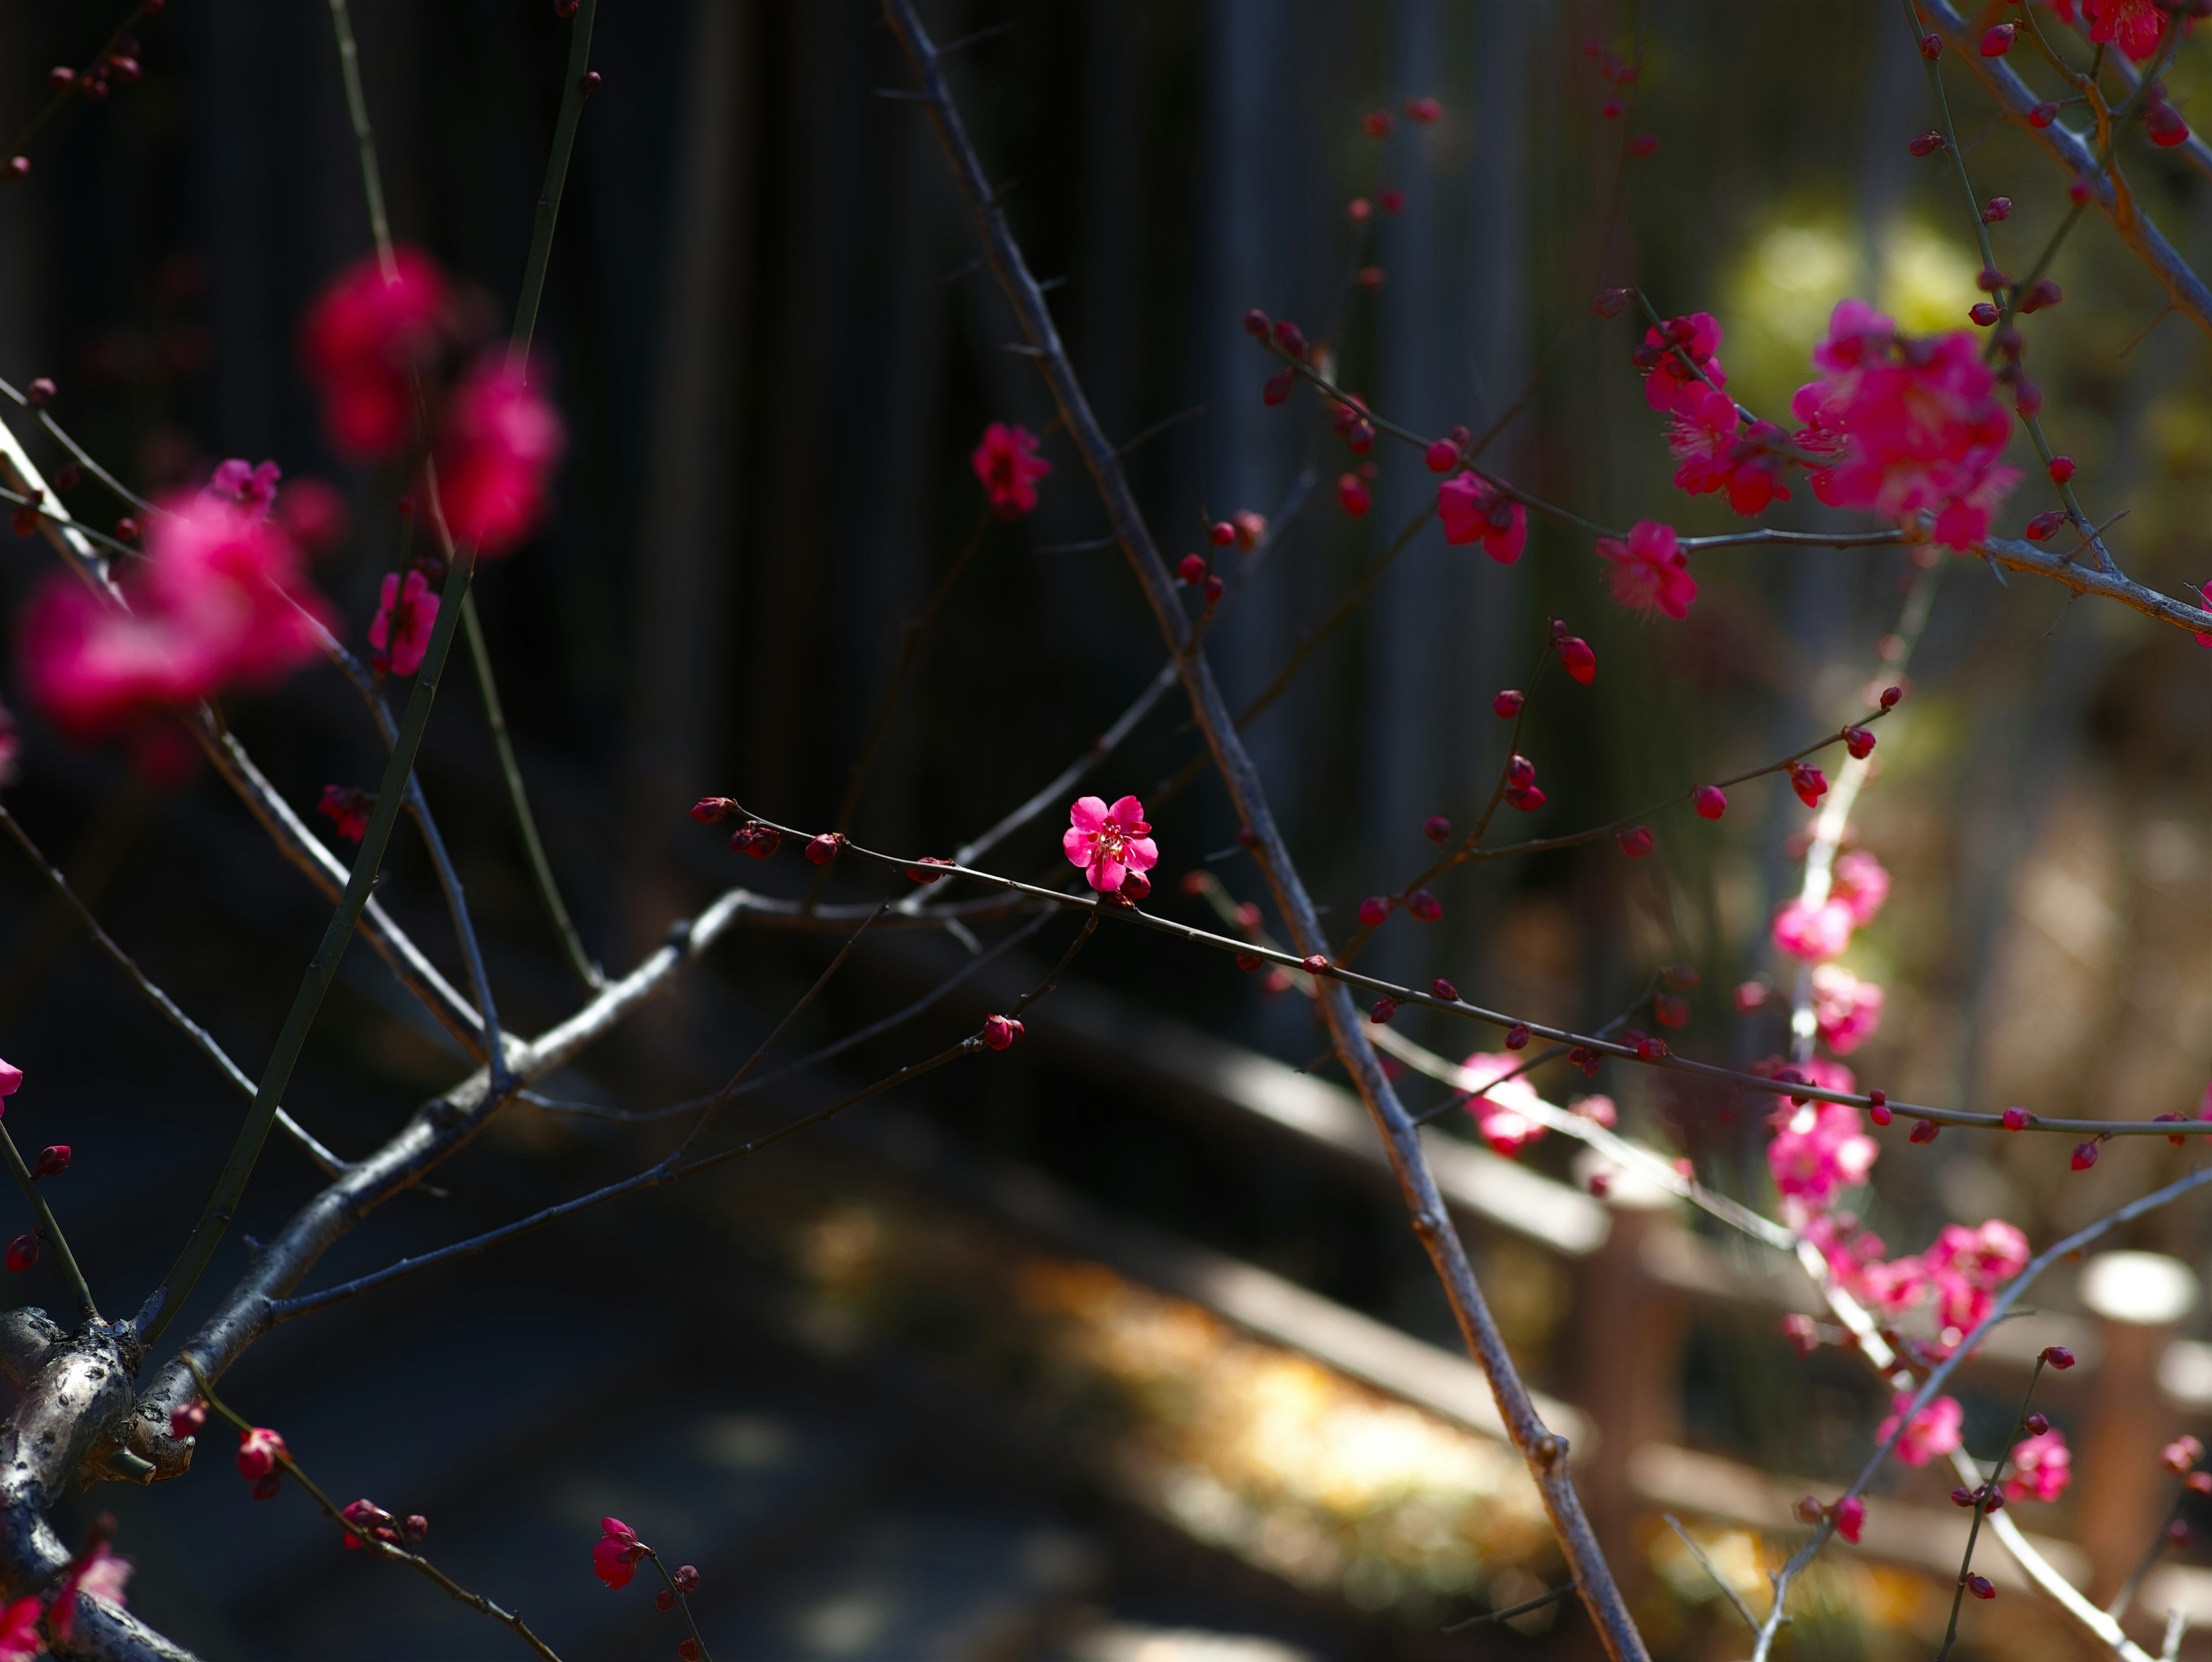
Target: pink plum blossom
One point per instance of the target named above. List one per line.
(1699, 335)
(1714, 455)
(212, 607)
(1502, 1109)
(1847, 1010)
(98, 1574)
(2133, 25)
(1474, 510)
(400, 631)
(1812, 933)
(239, 486)
(2041, 1467)
(616, 1553)
(1007, 463)
(1933, 1432)
(19, 1630)
(11, 1079)
(1850, 1518)
(1905, 426)
(363, 340)
(1650, 572)
(495, 450)
(1861, 884)
(1109, 843)
(1817, 1150)
(1967, 1266)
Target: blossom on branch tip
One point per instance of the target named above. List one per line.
(1651, 573)
(1109, 842)
(53, 1162)
(362, 342)
(1002, 1032)
(1472, 509)
(11, 1079)
(1933, 1432)
(2133, 25)
(1501, 1106)
(406, 611)
(615, 1555)
(708, 810)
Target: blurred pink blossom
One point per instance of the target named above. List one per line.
(362, 341)
(2041, 1467)
(1934, 1431)
(498, 444)
(400, 631)
(1820, 1149)
(1861, 884)
(1007, 463)
(1846, 1009)
(1501, 1111)
(1811, 933)
(1650, 572)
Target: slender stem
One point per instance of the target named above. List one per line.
(1565, 1590)
(223, 1203)
(1719, 1580)
(54, 106)
(684, 1604)
(359, 1532)
(533, 846)
(364, 137)
(1983, 1496)
(556, 176)
(48, 1229)
(201, 1040)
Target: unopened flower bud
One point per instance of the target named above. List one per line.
(1212, 588)
(2062, 469)
(709, 809)
(1670, 1010)
(1709, 800)
(1191, 568)
(1998, 207)
(1437, 829)
(1442, 456)
(686, 1579)
(1610, 302)
(1248, 962)
(822, 848)
(40, 393)
(1983, 314)
(1807, 1509)
(2045, 292)
(2044, 523)
(414, 1526)
(1000, 1033)
(22, 1253)
(2058, 1356)
(2015, 1119)
(1931, 47)
(590, 84)
(1509, 703)
(2085, 1155)
(1290, 338)
(663, 1599)
(1373, 910)
(686, 1650)
(1989, 280)
(1926, 144)
(53, 1162)
(1877, 1107)
(1444, 991)
(1314, 965)
(1925, 1130)
(2036, 1424)
(1384, 1012)
(1517, 1037)
(2183, 1452)
(1963, 1497)
(1135, 886)
(1859, 742)
(1981, 1586)
(1998, 40)
(1256, 324)
(2043, 114)
(1651, 1050)
(1277, 388)
(1578, 659)
(1353, 494)
(1635, 842)
(1890, 696)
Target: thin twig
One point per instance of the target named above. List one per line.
(201, 1040)
(1719, 1580)
(49, 1230)
(370, 1542)
(1511, 1611)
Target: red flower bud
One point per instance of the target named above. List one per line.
(1384, 1010)
(40, 393)
(1998, 41)
(1527, 797)
(1444, 991)
(1135, 886)
(1221, 534)
(414, 1526)
(1635, 842)
(1925, 1130)
(1248, 962)
(1809, 783)
(1670, 1010)
(1424, 110)
(1807, 1509)
(1442, 456)
(1983, 314)
(1877, 1107)
(1212, 588)
(2045, 292)
(1256, 324)
(2085, 1155)
(22, 1253)
(1890, 696)
(2164, 124)
(1931, 47)
(2058, 1356)
(1437, 829)
(1651, 1050)
(1578, 659)
(1424, 906)
(1989, 280)
(665, 1599)
(686, 1650)
(126, 530)
(1191, 568)
(686, 1579)
(1353, 494)
(1926, 144)
(822, 848)
(1373, 910)
(2043, 114)
(1859, 742)
(925, 878)
(1517, 1037)
(259, 1451)
(186, 1419)
(1999, 207)
(1000, 1033)
(2062, 469)
(1314, 965)
(2044, 523)
(53, 1162)
(1277, 388)
(1981, 1586)
(2036, 1424)
(2015, 1119)
(1290, 338)
(2078, 192)
(709, 809)
(1509, 703)
(1963, 1497)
